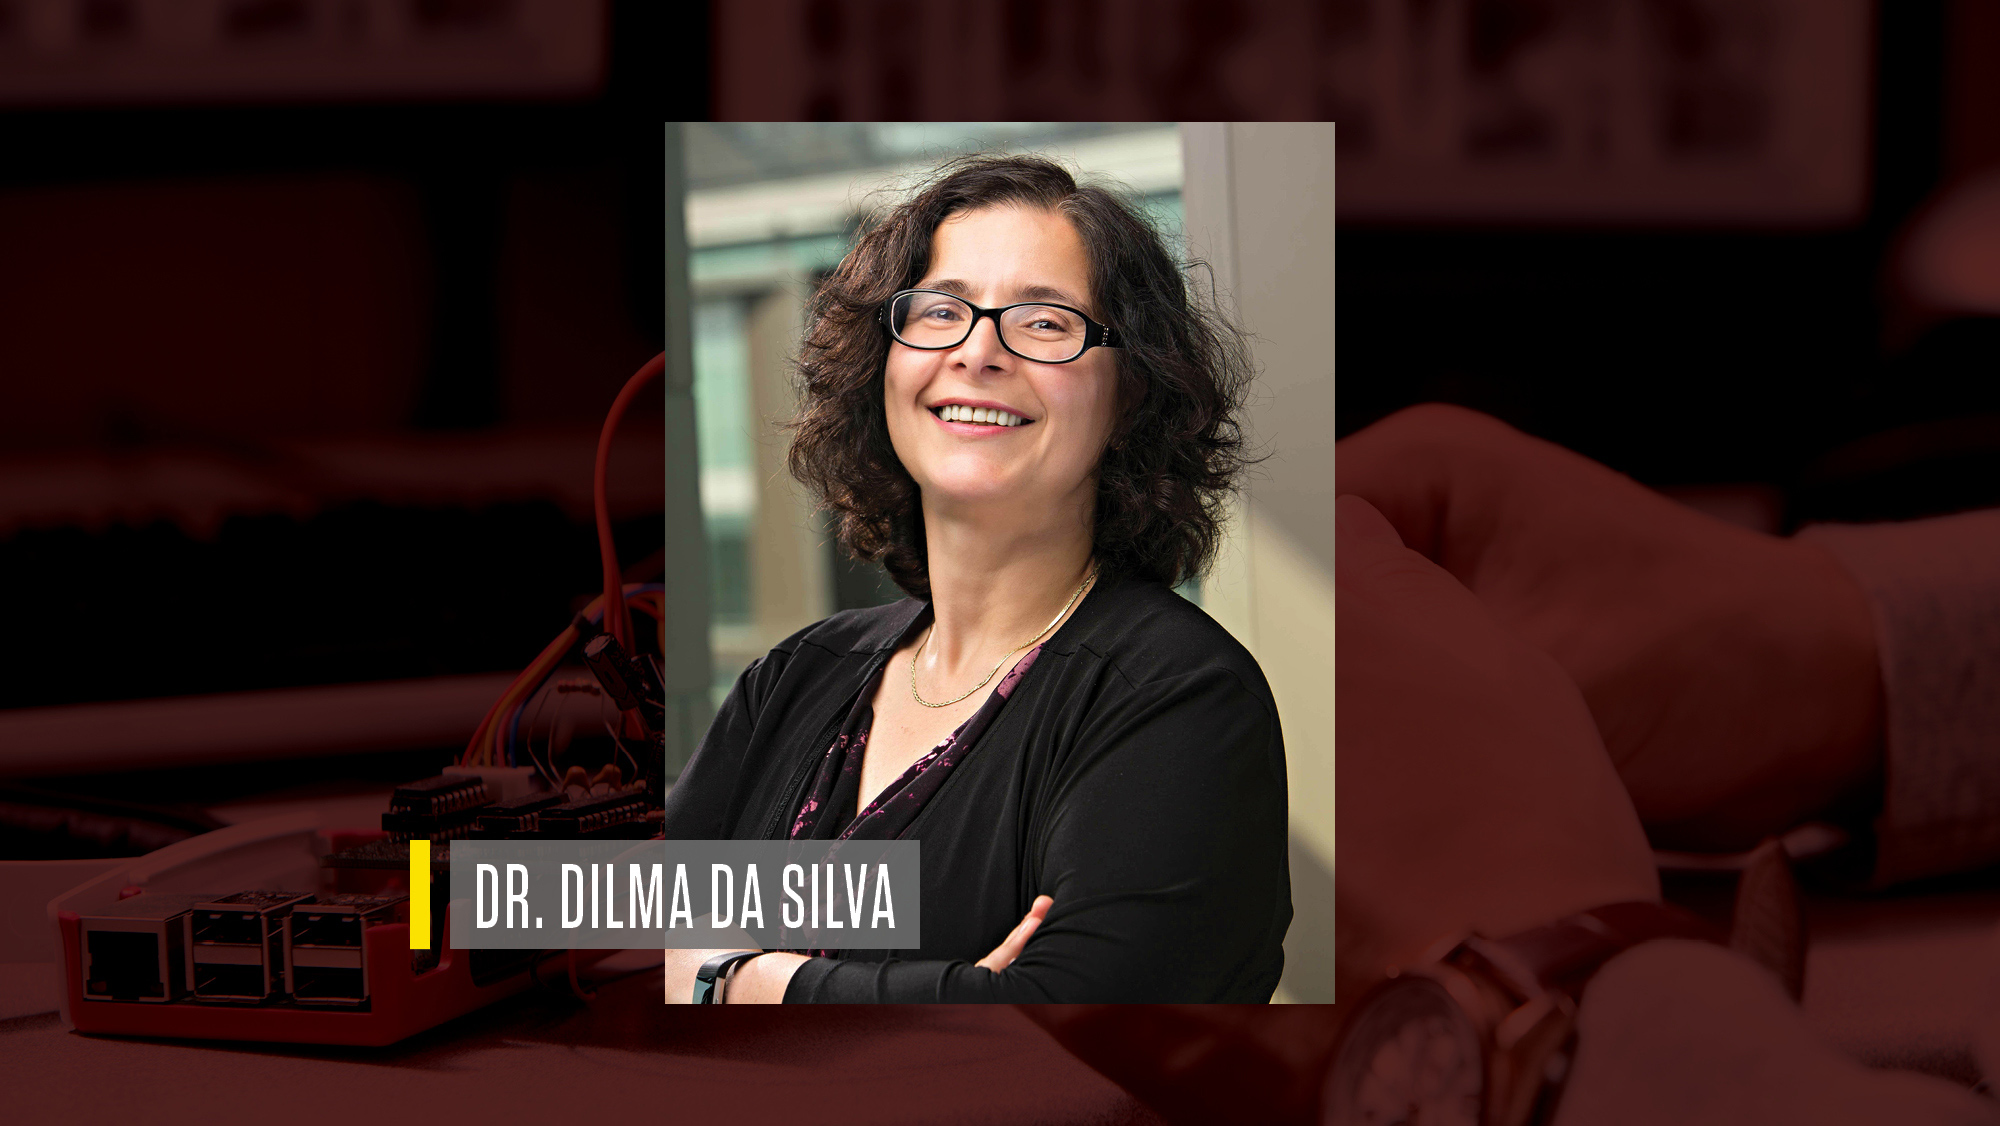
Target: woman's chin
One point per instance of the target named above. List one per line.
(987, 499)
(973, 491)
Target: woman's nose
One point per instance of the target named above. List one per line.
(981, 348)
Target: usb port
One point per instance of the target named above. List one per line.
(328, 985)
(214, 982)
(228, 927)
(324, 955)
(312, 927)
(235, 946)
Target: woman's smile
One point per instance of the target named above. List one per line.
(977, 418)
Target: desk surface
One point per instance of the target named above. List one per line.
(547, 1056)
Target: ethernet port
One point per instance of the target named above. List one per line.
(124, 965)
(213, 982)
(328, 985)
(233, 927)
(133, 950)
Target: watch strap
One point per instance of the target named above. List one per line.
(1546, 969)
(709, 978)
(1562, 956)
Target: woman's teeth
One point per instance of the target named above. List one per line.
(992, 416)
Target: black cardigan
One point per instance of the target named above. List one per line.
(1137, 775)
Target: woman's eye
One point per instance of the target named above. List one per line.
(943, 313)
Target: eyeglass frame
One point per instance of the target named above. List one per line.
(1094, 335)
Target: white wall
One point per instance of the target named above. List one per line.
(1258, 199)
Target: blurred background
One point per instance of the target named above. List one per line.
(310, 310)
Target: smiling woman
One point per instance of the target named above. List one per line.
(1011, 397)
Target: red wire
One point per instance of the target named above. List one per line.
(615, 618)
(485, 739)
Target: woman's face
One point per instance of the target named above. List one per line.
(998, 256)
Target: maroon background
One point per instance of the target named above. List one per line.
(235, 278)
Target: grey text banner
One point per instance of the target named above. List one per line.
(773, 895)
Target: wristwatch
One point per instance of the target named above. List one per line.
(708, 979)
(1482, 1033)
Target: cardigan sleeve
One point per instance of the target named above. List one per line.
(1162, 842)
(697, 806)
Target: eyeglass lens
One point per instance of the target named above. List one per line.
(1039, 332)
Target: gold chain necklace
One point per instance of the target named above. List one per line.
(915, 695)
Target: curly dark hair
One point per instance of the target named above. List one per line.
(1183, 369)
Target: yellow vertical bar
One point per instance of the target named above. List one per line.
(420, 895)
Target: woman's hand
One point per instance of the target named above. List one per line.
(1474, 790)
(1010, 947)
(1732, 674)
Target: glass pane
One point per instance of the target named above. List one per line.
(726, 428)
(930, 320)
(1043, 332)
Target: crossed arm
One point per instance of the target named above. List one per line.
(763, 980)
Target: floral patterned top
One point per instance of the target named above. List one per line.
(828, 810)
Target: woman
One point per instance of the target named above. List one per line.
(1009, 399)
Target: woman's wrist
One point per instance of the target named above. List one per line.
(1854, 680)
(1839, 761)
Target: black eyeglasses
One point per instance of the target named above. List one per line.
(933, 320)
